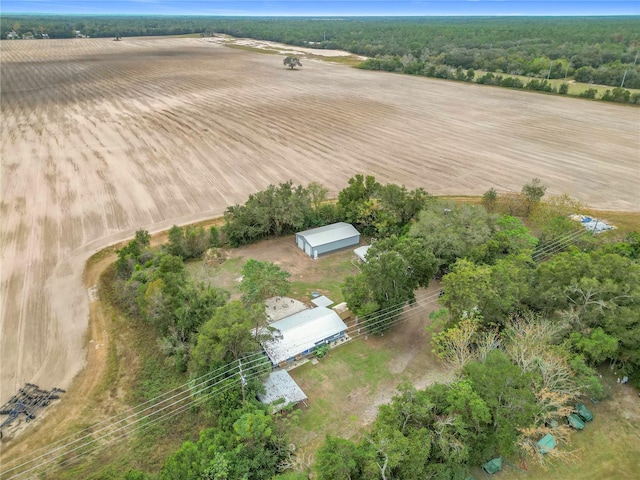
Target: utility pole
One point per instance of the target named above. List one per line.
(549, 74)
(626, 70)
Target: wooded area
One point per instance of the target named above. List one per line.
(529, 311)
(600, 50)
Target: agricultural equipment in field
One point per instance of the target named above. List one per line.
(26, 402)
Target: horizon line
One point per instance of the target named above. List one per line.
(328, 15)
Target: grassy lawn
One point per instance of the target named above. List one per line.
(324, 275)
(352, 370)
(575, 88)
(346, 387)
(340, 389)
(225, 275)
(625, 222)
(608, 447)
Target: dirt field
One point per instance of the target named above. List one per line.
(100, 138)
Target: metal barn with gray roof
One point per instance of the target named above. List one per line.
(327, 239)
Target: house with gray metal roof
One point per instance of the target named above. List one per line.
(281, 391)
(327, 239)
(298, 335)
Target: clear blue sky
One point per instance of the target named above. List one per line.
(325, 7)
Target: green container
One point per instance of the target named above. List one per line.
(575, 421)
(493, 466)
(584, 412)
(546, 444)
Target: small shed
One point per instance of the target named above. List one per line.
(343, 311)
(281, 391)
(322, 301)
(300, 334)
(361, 252)
(327, 239)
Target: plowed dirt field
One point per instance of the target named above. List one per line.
(100, 138)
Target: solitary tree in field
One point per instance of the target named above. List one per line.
(292, 62)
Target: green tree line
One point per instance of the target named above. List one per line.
(588, 49)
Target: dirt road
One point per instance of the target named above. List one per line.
(100, 138)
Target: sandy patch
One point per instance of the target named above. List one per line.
(280, 48)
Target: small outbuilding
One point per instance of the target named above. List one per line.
(298, 335)
(361, 253)
(322, 301)
(327, 239)
(281, 391)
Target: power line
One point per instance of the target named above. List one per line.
(194, 399)
(184, 387)
(559, 244)
(380, 319)
(188, 400)
(90, 436)
(200, 399)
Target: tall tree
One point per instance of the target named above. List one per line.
(451, 232)
(489, 200)
(226, 337)
(175, 245)
(336, 458)
(505, 389)
(318, 194)
(353, 200)
(510, 237)
(397, 207)
(496, 290)
(263, 280)
(534, 191)
(395, 268)
(422, 264)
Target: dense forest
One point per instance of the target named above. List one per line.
(600, 50)
(531, 300)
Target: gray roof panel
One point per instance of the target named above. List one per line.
(280, 386)
(329, 233)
